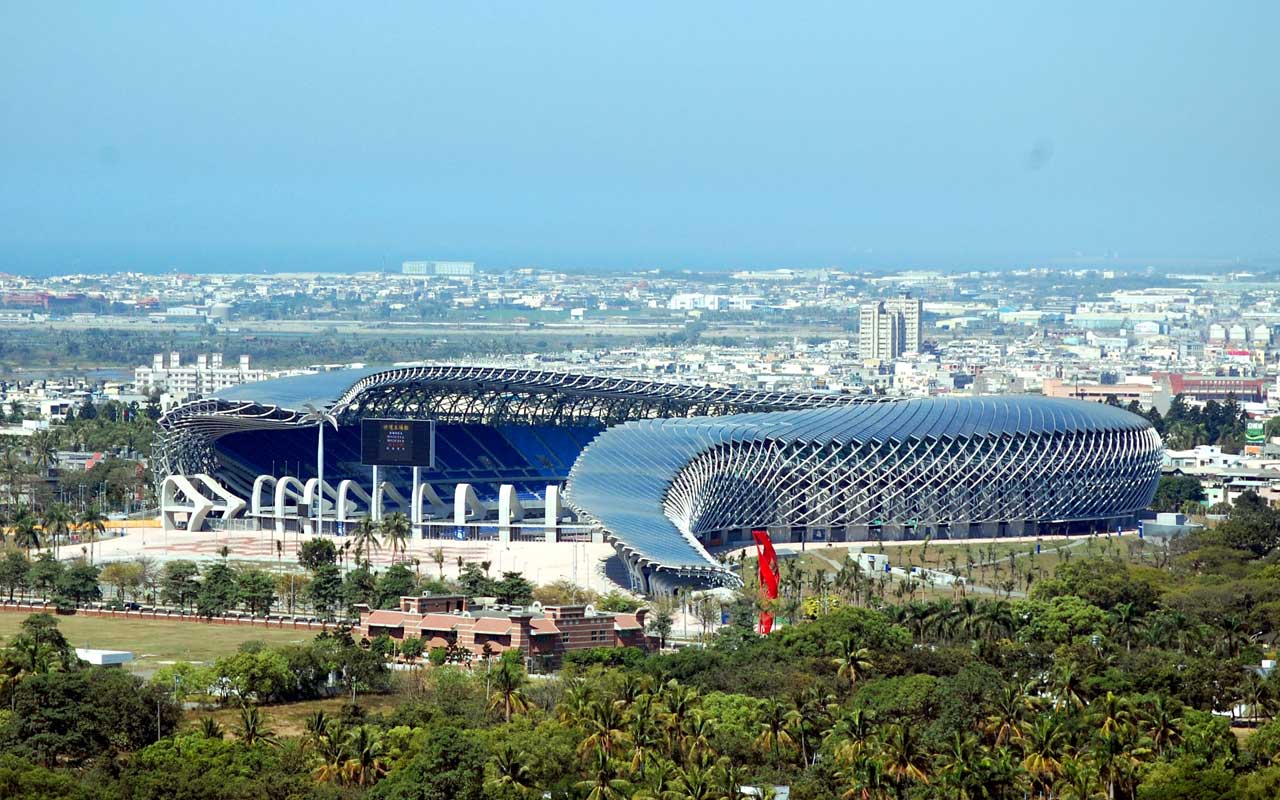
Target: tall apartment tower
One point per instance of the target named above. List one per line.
(889, 328)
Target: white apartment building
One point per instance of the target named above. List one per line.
(889, 328)
(694, 301)
(451, 269)
(207, 376)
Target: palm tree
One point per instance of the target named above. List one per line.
(1255, 695)
(851, 734)
(774, 734)
(92, 525)
(605, 781)
(864, 779)
(960, 767)
(1126, 622)
(437, 556)
(253, 729)
(853, 664)
(508, 771)
(1067, 687)
(604, 728)
(1000, 774)
(968, 613)
(508, 690)
(14, 470)
(43, 451)
(849, 578)
(903, 759)
(1162, 724)
(364, 538)
(729, 779)
(576, 702)
(395, 532)
(680, 702)
(642, 733)
(695, 782)
(1079, 781)
(943, 620)
(365, 763)
(996, 619)
(699, 730)
(331, 745)
(26, 532)
(1109, 713)
(57, 522)
(1043, 748)
(1117, 754)
(1010, 709)
(810, 717)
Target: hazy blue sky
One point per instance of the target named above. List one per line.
(286, 135)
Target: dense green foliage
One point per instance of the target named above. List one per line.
(1184, 425)
(1115, 677)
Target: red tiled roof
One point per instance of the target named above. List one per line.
(542, 627)
(388, 619)
(438, 622)
(626, 622)
(491, 625)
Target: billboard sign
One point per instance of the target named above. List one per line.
(1255, 433)
(398, 443)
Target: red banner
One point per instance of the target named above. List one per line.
(767, 560)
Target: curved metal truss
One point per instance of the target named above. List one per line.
(464, 394)
(187, 433)
(495, 395)
(952, 467)
(931, 482)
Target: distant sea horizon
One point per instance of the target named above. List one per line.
(53, 261)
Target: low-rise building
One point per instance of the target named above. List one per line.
(543, 632)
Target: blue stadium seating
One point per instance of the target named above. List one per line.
(528, 457)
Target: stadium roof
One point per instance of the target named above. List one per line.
(622, 478)
(296, 391)
(452, 394)
(343, 386)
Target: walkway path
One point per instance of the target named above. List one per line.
(540, 562)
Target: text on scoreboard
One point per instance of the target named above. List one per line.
(398, 442)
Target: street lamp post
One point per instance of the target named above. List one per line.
(320, 417)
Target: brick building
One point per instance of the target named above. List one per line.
(538, 631)
(1203, 388)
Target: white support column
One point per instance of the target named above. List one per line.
(509, 510)
(415, 501)
(460, 503)
(551, 514)
(375, 497)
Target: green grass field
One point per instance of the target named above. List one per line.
(289, 719)
(155, 642)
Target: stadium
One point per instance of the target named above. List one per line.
(661, 470)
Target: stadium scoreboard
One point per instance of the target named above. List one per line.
(398, 443)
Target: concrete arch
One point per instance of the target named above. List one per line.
(255, 500)
(347, 505)
(286, 487)
(466, 504)
(436, 507)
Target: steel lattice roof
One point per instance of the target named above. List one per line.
(624, 479)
